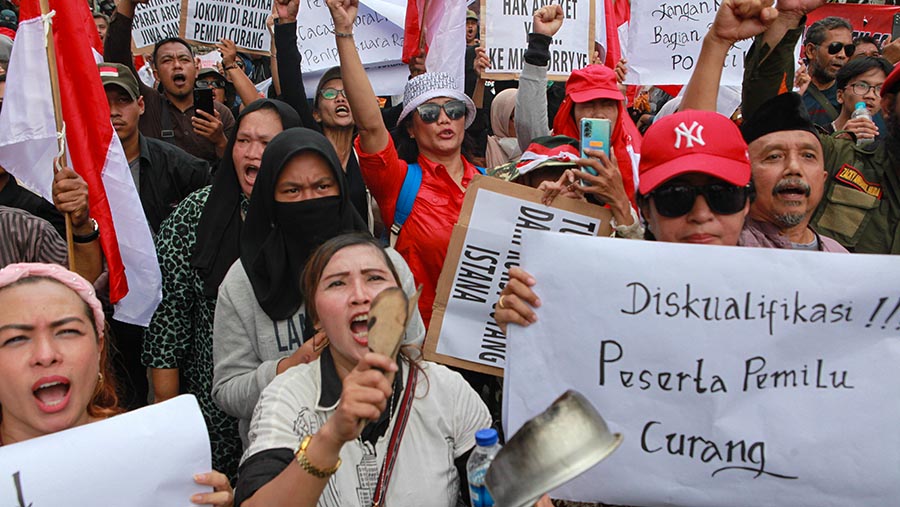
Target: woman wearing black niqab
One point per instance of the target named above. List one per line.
(260, 323)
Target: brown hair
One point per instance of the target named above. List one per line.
(105, 401)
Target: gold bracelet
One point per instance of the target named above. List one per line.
(309, 467)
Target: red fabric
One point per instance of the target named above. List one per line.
(426, 233)
(624, 134)
(86, 114)
(8, 32)
(412, 30)
(613, 48)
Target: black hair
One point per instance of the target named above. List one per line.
(859, 66)
(167, 40)
(815, 34)
(867, 39)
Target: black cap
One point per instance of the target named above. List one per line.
(783, 112)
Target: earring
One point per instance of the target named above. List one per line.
(99, 379)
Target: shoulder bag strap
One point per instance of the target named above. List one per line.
(384, 477)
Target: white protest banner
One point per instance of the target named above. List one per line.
(155, 21)
(664, 40)
(144, 458)
(505, 25)
(738, 376)
(483, 247)
(378, 34)
(242, 21)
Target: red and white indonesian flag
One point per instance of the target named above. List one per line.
(443, 23)
(28, 146)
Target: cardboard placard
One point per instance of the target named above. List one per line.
(154, 21)
(664, 40)
(483, 246)
(737, 376)
(505, 25)
(242, 21)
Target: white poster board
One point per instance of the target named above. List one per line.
(738, 376)
(244, 22)
(484, 246)
(144, 458)
(378, 34)
(664, 40)
(507, 23)
(155, 21)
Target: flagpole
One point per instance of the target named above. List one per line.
(60, 161)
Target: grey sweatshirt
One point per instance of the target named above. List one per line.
(247, 344)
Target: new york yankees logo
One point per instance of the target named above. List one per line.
(682, 131)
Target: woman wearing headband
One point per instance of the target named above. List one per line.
(355, 428)
(53, 360)
(430, 134)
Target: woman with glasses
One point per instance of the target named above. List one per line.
(429, 142)
(694, 188)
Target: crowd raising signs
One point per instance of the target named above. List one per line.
(154, 21)
(733, 373)
(242, 21)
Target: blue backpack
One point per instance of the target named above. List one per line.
(408, 192)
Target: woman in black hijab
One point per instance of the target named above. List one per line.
(299, 201)
(196, 245)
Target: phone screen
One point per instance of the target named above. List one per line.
(203, 100)
(594, 136)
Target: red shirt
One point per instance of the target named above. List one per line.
(425, 236)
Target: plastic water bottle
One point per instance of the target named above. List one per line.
(860, 111)
(479, 461)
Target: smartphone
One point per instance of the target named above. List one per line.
(895, 29)
(594, 136)
(203, 100)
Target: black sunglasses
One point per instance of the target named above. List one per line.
(332, 93)
(215, 85)
(836, 47)
(430, 112)
(677, 200)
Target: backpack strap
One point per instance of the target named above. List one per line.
(408, 192)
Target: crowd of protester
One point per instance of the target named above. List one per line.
(277, 219)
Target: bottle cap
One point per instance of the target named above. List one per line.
(486, 437)
(860, 105)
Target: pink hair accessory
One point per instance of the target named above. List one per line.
(14, 272)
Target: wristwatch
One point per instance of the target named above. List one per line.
(91, 236)
(309, 467)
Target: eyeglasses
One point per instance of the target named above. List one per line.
(215, 85)
(430, 112)
(332, 93)
(677, 200)
(836, 47)
(862, 88)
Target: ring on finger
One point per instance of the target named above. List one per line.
(500, 304)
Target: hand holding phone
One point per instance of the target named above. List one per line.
(594, 136)
(203, 100)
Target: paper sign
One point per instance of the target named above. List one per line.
(738, 376)
(389, 79)
(154, 21)
(484, 246)
(505, 25)
(242, 21)
(144, 458)
(664, 40)
(378, 34)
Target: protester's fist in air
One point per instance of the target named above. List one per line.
(287, 10)
(741, 19)
(481, 60)
(70, 195)
(548, 20)
(343, 13)
(228, 49)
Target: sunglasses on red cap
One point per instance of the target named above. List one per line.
(429, 112)
(677, 199)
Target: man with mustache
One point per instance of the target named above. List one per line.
(828, 46)
(788, 169)
(170, 114)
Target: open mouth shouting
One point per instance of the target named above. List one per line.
(359, 328)
(179, 79)
(51, 393)
(791, 190)
(342, 110)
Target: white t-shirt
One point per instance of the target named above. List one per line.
(444, 417)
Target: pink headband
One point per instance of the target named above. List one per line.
(15, 272)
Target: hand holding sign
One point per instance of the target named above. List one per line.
(548, 20)
(517, 300)
(222, 495)
(343, 12)
(741, 19)
(287, 10)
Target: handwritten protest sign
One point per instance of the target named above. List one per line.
(738, 376)
(243, 21)
(664, 40)
(505, 25)
(155, 21)
(377, 33)
(145, 458)
(483, 247)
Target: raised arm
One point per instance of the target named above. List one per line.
(288, 62)
(242, 83)
(117, 48)
(373, 135)
(531, 101)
